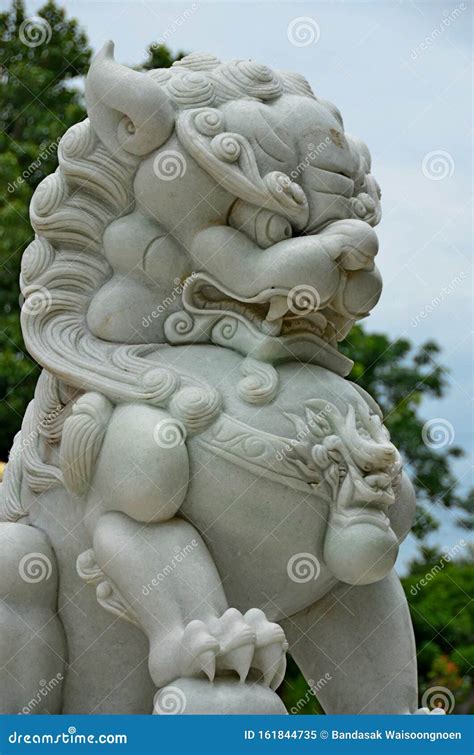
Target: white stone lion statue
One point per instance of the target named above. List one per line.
(193, 450)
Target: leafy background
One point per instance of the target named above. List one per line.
(40, 97)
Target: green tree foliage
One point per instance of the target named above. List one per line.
(38, 103)
(439, 591)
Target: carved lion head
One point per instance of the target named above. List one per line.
(216, 202)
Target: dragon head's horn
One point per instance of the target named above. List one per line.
(129, 111)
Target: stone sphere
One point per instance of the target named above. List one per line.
(360, 553)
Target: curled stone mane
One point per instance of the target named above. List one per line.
(201, 80)
(65, 265)
(61, 269)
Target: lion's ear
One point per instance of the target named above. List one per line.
(129, 111)
(229, 158)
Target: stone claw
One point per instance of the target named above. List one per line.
(270, 648)
(199, 650)
(207, 664)
(238, 660)
(236, 643)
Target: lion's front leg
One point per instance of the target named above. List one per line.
(152, 568)
(161, 577)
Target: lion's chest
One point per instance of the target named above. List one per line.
(266, 538)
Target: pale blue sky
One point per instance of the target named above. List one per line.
(400, 73)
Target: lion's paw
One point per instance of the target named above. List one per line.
(235, 642)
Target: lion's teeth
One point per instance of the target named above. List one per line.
(318, 319)
(278, 308)
(271, 328)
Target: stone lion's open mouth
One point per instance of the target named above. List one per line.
(274, 313)
(276, 325)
